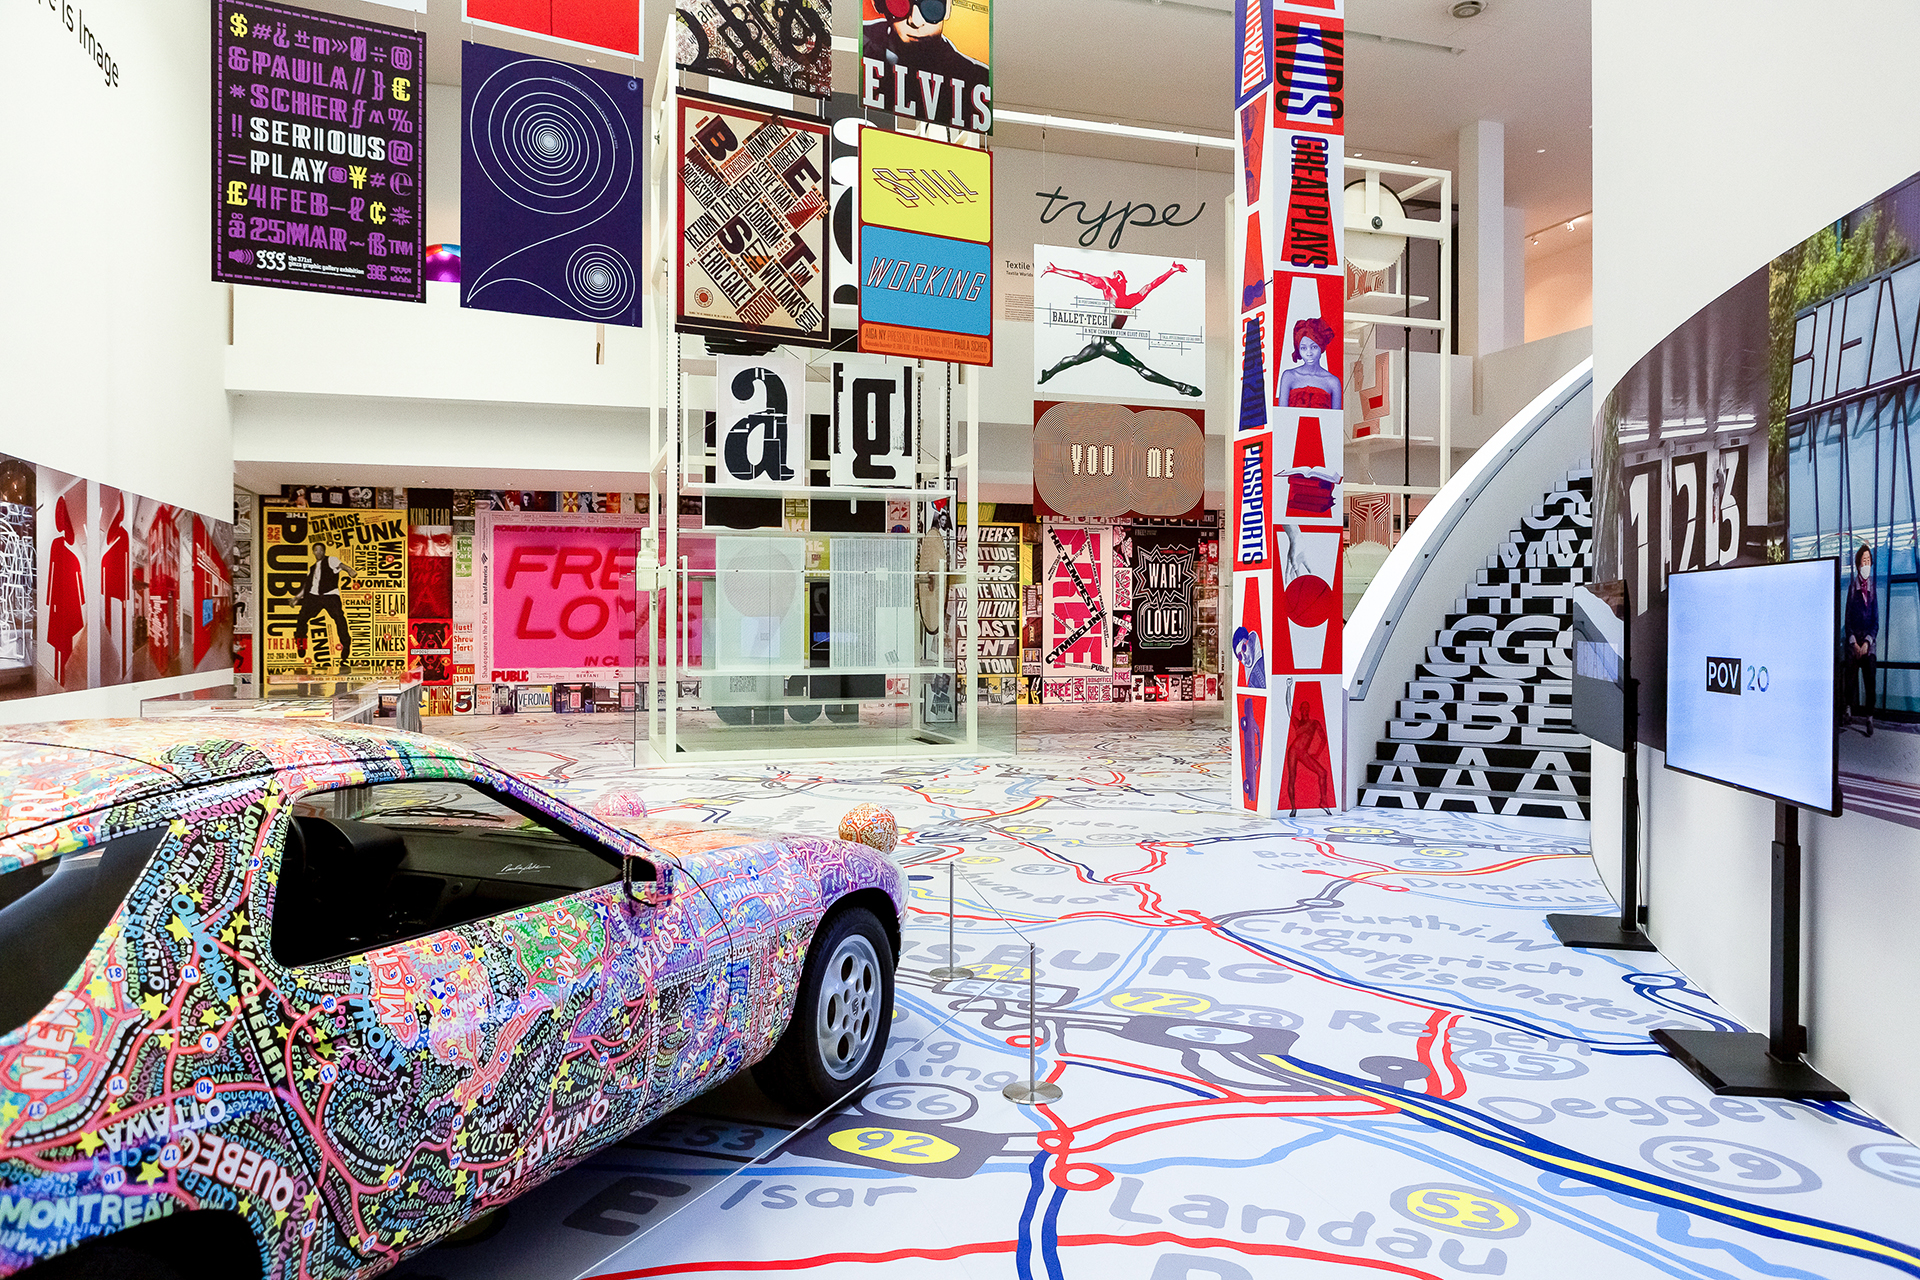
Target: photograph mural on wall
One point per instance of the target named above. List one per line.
(752, 222)
(101, 587)
(1118, 326)
(929, 60)
(1778, 423)
(319, 152)
(335, 593)
(552, 187)
(613, 25)
(777, 44)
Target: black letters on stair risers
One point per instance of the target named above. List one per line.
(1486, 723)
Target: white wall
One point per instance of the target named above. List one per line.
(1794, 122)
(112, 334)
(1560, 291)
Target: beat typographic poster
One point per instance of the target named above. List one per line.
(613, 25)
(760, 420)
(1076, 665)
(335, 593)
(1119, 326)
(926, 248)
(752, 217)
(1287, 458)
(552, 182)
(776, 44)
(929, 60)
(871, 445)
(319, 152)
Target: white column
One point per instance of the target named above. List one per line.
(1483, 233)
(1513, 260)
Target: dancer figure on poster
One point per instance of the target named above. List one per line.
(1121, 299)
(1307, 773)
(66, 593)
(321, 594)
(1308, 385)
(1863, 626)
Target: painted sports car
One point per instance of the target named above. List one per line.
(301, 1000)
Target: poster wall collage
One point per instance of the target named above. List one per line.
(1106, 588)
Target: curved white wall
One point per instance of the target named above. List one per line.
(1724, 132)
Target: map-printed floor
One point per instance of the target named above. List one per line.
(1287, 1048)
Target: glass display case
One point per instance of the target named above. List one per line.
(394, 704)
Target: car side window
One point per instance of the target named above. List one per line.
(365, 866)
(51, 914)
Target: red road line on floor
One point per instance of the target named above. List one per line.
(1009, 1246)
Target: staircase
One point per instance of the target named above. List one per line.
(1486, 724)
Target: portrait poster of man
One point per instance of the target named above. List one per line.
(929, 60)
(753, 224)
(335, 593)
(1119, 326)
(776, 44)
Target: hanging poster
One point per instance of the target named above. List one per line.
(552, 187)
(998, 601)
(210, 560)
(1111, 461)
(871, 441)
(319, 164)
(1166, 580)
(843, 188)
(557, 598)
(613, 25)
(929, 60)
(335, 593)
(752, 222)
(759, 438)
(777, 44)
(1076, 664)
(114, 549)
(760, 614)
(430, 585)
(1119, 326)
(926, 248)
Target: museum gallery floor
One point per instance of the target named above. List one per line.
(1287, 1048)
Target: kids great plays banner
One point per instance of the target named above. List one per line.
(319, 152)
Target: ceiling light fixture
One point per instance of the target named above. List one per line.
(1469, 8)
(1570, 224)
(1542, 151)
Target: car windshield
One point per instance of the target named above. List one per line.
(424, 803)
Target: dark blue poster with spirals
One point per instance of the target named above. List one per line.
(551, 187)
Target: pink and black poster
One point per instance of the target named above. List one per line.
(319, 152)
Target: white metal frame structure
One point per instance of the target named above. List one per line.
(666, 585)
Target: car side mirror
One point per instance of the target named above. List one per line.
(652, 891)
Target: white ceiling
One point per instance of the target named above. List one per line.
(1416, 74)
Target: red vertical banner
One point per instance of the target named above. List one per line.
(1290, 434)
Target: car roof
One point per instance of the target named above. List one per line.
(56, 770)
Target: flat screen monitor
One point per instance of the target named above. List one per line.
(1752, 667)
(1600, 706)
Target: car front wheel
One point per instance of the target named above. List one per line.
(838, 1032)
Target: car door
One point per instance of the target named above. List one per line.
(476, 998)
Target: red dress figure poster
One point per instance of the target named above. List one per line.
(116, 588)
(1306, 773)
(66, 593)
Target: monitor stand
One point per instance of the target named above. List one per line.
(1622, 932)
(1745, 1063)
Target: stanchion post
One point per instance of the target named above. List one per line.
(1035, 1089)
(951, 972)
